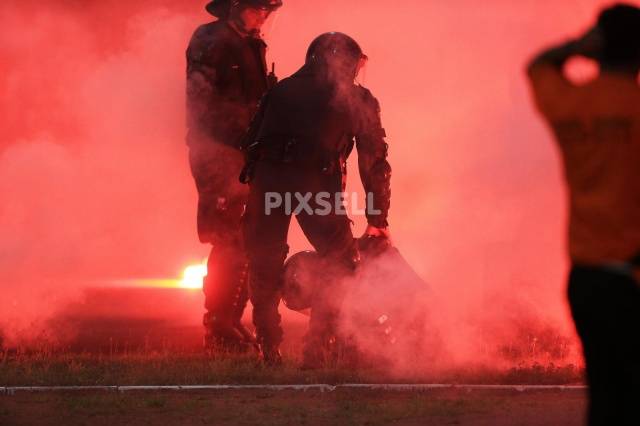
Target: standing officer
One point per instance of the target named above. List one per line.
(597, 128)
(299, 143)
(226, 77)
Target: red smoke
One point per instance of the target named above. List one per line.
(94, 182)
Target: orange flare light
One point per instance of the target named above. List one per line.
(192, 279)
(193, 275)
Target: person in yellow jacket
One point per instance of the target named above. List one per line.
(597, 128)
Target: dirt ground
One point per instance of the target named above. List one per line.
(341, 407)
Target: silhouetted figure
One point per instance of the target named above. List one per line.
(597, 127)
(226, 77)
(299, 142)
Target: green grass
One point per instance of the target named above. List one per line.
(166, 368)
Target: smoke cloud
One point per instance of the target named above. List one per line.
(95, 186)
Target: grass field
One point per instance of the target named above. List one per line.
(267, 407)
(124, 351)
(170, 368)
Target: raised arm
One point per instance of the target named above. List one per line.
(546, 71)
(589, 45)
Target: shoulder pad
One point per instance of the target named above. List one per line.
(367, 97)
(206, 39)
(210, 34)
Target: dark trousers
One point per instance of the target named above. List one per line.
(606, 310)
(266, 238)
(221, 203)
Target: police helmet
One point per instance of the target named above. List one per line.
(335, 47)
(302, 276)
(220, 8)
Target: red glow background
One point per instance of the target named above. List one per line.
(94, 181)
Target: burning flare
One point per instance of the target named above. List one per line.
(193, 275)
(192, 279)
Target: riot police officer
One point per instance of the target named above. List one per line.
(226, 77)
(298, 143)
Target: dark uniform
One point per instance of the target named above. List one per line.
(300, 141)
(226, 77)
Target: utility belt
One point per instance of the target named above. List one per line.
(301, 153)
(295, 152)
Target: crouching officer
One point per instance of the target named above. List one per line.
(226, 77)
(297, 148)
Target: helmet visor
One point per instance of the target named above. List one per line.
(362, 68)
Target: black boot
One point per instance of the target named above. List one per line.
(240, 299)
(223, 335)
(267, 321)
(270, 355)
(320, 342)
(248, 337)
(226, 297)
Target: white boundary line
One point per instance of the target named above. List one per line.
(298, 388)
